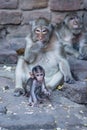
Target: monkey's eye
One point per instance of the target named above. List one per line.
(44, 31)
(41, 74)
(37, 30)
(72, 18)
(37, 75)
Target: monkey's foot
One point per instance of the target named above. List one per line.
(18, 92)
(30, 104)
(33, 104)
(69, 80)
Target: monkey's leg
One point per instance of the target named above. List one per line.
(31, 101)
(34, 99)
(45, 90)
(55, 81)
(21, 76)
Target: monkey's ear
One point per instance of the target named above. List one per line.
(31, 74)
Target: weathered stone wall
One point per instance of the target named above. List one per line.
(15, 16)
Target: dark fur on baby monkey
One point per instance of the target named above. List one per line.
(36, 87)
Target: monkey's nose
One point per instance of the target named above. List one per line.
(41, 37)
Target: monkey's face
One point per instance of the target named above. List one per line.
(41, 35)
(39, 76)
(41, 31)
(74, 23)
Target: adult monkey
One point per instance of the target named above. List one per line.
(71, 36)
(43, 48)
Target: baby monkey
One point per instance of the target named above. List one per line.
(36, 86)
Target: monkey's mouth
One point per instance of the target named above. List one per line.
(76, 29)
(75, 26)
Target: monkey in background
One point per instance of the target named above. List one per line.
(81, 45)
(71, 36)
(36, 87)
(43, 48)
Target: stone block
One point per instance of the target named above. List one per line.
(8, 56)
(31, 15)
(4, 44)
(85, 4)
(34, 4)
(8, 4)
(10, 17)
(3, 32)
(17, 44)
(65, 5)
(79, 68)
(28, 122)
(76, 92)
(57, 17)
(17, 31)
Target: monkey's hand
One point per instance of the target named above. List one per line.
(47, 93)
(80, 57)
(36, 47)
(18, 92)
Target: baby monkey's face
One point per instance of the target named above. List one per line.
(39, 76)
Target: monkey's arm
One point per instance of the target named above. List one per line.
(83, 47)
(44, 89)
(71, 50)
(32, 52)
(64, 65)
(27, 53)
(65, 69)
(29, 56)
(83, 51)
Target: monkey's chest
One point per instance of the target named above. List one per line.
(38, 88)
(46, 59)
(48, 62)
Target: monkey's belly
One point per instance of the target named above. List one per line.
(48, 62)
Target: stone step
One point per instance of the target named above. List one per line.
(28, 122)
(8, 56)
